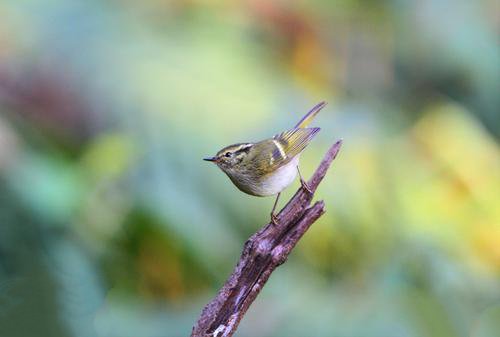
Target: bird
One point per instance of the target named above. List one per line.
(267, 167)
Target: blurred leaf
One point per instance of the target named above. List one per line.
(52, 188)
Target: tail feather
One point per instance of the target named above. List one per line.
(310, 115)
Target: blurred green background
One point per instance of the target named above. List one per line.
(112, 226)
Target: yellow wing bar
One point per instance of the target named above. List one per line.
(290, 143)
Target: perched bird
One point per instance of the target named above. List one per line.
(267, 167)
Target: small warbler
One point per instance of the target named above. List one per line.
(267, 167)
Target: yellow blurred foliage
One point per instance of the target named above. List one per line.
(109, 156)
(465, 191)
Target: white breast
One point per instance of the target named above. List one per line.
(271, 184)
(277, 181)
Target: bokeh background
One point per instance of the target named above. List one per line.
(112, 226)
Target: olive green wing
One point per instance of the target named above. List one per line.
(292, 142)
(282, 148)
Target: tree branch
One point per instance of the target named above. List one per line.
(262, 253)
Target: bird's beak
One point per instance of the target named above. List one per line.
(213, 159)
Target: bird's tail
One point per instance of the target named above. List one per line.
(310, 115)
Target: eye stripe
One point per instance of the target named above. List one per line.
(236, 149)
(244, 148)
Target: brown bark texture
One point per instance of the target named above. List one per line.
(262, 253)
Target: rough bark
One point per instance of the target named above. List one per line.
(262, 253)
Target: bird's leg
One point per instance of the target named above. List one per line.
(304, 183)
(274, 218)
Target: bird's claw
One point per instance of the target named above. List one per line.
(305, 186)
(274, 219)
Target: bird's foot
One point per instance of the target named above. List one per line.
(305, 186)
(274, 219)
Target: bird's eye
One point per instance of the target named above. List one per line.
(227, 155)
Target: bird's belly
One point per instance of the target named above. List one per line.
(272, 183)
